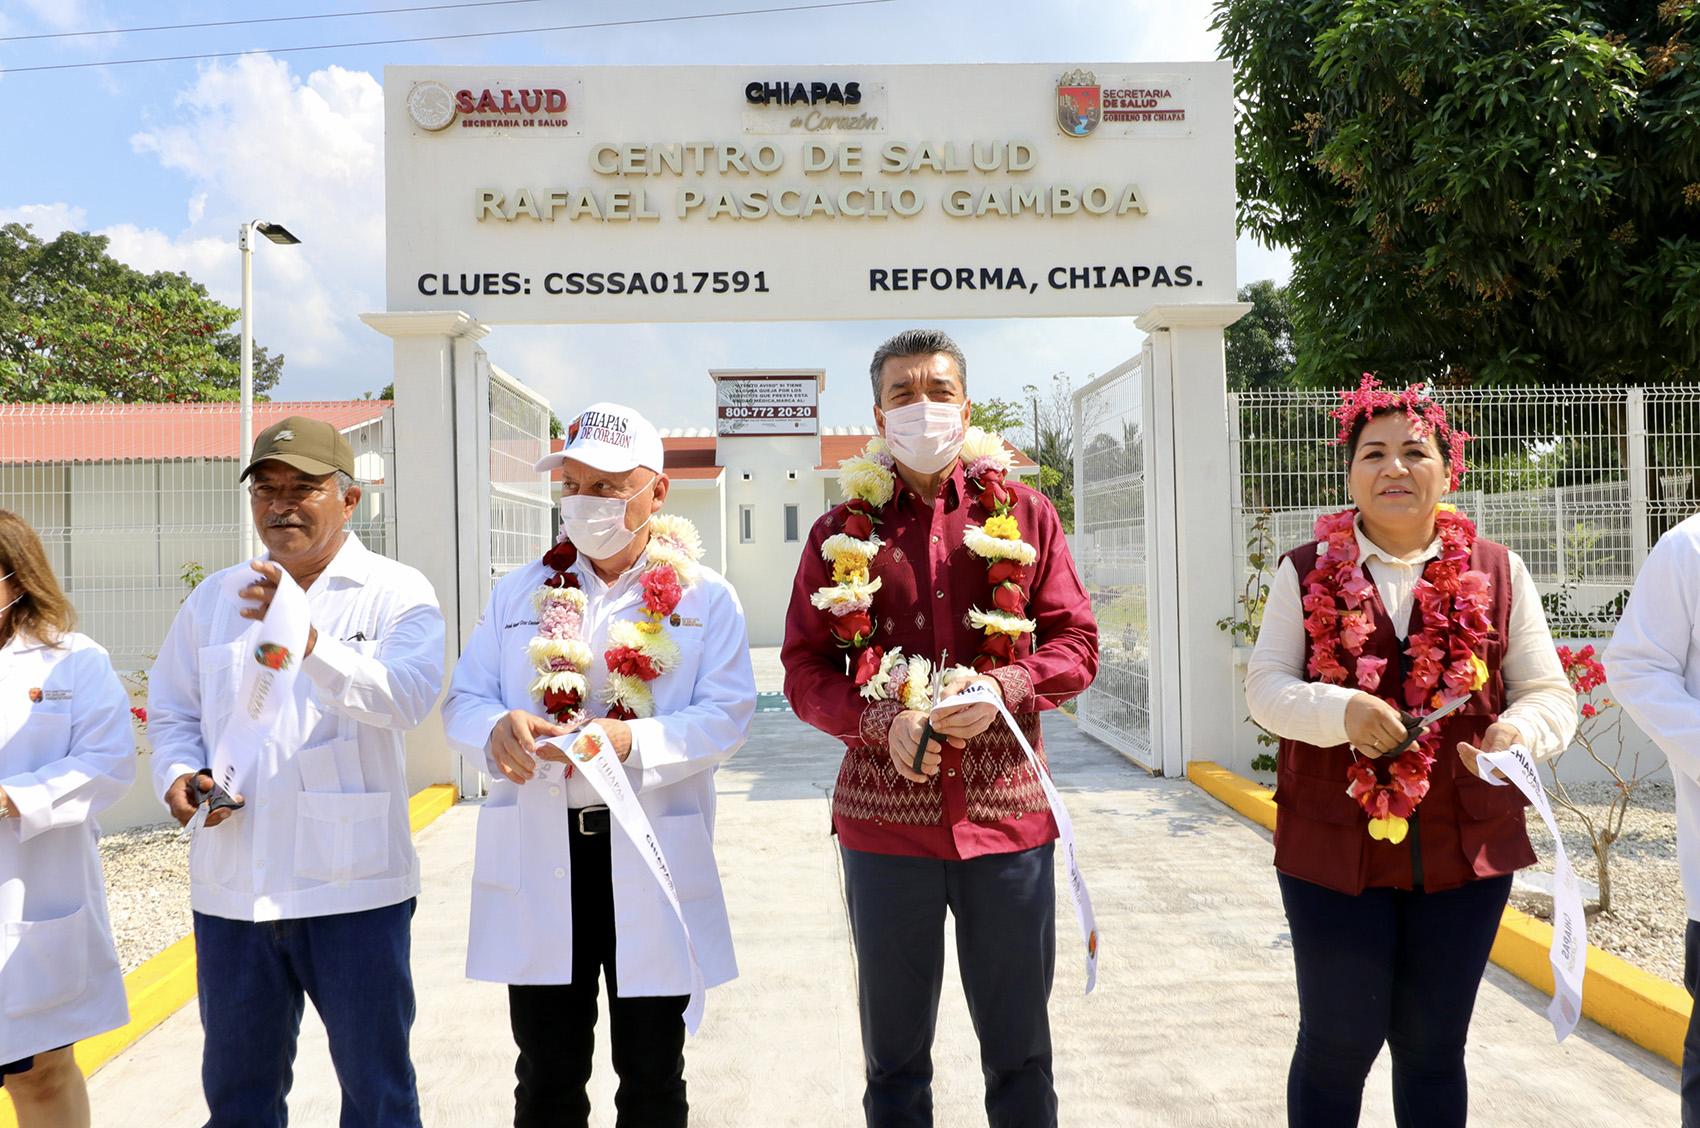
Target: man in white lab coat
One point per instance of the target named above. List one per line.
(309, 887)
(1653, 669)
(620, 624)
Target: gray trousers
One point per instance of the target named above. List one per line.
(1005, 911)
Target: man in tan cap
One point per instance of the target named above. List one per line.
(307, 887)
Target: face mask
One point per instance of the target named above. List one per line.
(16, 601)
(925, 436)
(597, 525)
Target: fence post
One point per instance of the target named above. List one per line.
(1559, 557)
(1635, 435)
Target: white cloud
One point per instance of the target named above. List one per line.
(46, 220)
(257, 141)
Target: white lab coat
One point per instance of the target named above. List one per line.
(62, 758)
(522, 881)
(325, 828)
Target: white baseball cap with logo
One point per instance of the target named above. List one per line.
(609, 437)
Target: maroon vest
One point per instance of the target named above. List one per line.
(1463, 829)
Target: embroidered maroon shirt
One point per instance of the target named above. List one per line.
(985, 799)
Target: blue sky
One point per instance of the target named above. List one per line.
(168, 159)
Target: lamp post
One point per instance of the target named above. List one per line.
(280, 235)
(1032, 391)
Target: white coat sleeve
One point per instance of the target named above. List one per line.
(396, 687)
(667, 748)
(100, 763)
(475, 701)
(1540, 700)
(1277, 693)
(1648, 659)
(174, 700)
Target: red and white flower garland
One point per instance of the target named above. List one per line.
(1445, 656)
(868, 482)
(639, 650)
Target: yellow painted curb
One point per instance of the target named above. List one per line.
(160, 987)
(429, 802)
(1649, 1011)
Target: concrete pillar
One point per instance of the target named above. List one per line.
(441, 527)
(1188, 390)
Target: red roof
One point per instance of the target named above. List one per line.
(692, 456)
(684, 457)
(836, 448)
(151, 432)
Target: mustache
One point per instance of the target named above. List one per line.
(285, 523)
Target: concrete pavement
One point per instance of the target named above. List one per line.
(1191, 1024)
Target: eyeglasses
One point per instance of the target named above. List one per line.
(296, 493)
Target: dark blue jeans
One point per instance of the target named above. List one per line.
(1005, 910)
(1388, 965)
(1691, 1044)
(252, 978)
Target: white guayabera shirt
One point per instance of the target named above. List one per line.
(325, 829)
(1653, 665)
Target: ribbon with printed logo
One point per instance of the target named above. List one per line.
(271, 661)
(976, 694)
(1569, 952)
(607, 775)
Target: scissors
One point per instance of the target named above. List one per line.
(927, 732)
(215, 800)
(1415, 725)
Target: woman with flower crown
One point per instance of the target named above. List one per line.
(1393, 857)
(618, 623)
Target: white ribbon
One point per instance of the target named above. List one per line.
(603, 769)
(1569, 952)
(977, 694)
(271, 660)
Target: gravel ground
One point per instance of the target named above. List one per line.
(1648, 914)
(147, 890)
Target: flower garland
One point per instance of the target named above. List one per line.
(639, 650)
(1426, 417)
(867, 482)
(1445, 656)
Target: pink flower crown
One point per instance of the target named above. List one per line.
(1426, 416)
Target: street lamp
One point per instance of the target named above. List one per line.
(282, 236)
(1032, 391)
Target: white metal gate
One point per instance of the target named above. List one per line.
(1113, 497)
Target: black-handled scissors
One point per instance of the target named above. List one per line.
(1414, 726)
(927, 732)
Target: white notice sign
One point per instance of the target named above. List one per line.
(767, 404)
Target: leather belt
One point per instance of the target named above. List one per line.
(591, 821)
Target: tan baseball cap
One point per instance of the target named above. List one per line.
(306, 444)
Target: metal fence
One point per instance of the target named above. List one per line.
(521, 508)
(134, 503)
(1578, 481)
(1111, 549)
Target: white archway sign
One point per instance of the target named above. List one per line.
(563, 195)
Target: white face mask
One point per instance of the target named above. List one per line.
(597, 525)
(925, 436)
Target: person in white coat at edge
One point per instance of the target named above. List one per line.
(66, 751)
(620, 624)
(309, 888)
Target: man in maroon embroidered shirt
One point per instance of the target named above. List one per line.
(971, 831)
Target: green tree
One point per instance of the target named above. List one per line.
(1260, 344)
(1483, 193)
(77, 325)
(998, 415)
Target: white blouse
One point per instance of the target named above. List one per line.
(1281, 698)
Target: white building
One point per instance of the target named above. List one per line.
(753, 487)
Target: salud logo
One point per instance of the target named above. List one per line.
(272, 656)
(1080, 103)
